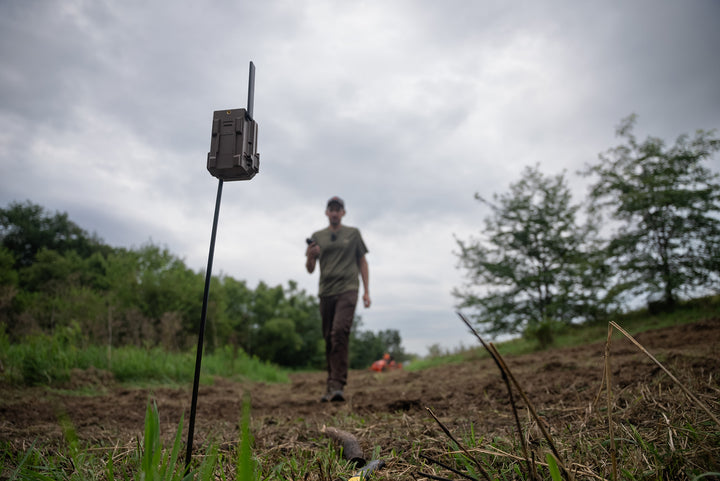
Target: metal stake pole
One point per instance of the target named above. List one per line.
(201, 336)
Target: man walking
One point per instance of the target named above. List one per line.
(341, 251)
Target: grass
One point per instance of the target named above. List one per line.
(578, 335)
(598, 444)
(644, 452)
(149, 461)
(50, 359)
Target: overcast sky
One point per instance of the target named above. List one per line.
(405, 109)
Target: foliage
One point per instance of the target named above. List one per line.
(667, 204)
(635, 322)
(155, 464)
(536, 266)
(25, 229)
(50, 359)
(531, 262)
(367, 346)
(54, 276)
(246, 465)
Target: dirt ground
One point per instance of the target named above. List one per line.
(385, 411)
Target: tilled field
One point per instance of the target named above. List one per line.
(388, 412)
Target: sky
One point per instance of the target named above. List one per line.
(405, 109)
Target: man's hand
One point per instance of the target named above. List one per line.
(366, 299)
(313, 250)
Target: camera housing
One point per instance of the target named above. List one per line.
(233, 146)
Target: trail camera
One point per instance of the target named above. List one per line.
(233, 146)
(233, 156)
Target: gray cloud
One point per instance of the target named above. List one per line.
(406, 109)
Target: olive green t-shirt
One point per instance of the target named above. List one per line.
(339, 254)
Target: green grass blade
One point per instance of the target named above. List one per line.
(21, 463)
(152, 452)
(245, 468)
(110, 468)
(712, 475)
(205, 471)
(169, 468)
(553, 467)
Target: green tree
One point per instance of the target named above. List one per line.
(277, 324)
(8, 285)
(368, 346)
(279, 342)
(233, 299)
(26, 228)
(170, 294)
(264, 306)
(52, 275)
(529, 266)
(667, 204)
(303, 309)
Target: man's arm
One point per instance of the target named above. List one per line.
(365, 276)
(312, 253)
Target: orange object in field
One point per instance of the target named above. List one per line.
(379, 365)
(387, 363)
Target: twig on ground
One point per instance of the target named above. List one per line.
(443, 465)
(607, 375)
(432, 476)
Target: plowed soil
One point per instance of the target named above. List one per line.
(387, 412)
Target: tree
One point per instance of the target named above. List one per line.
(279, 342)
(25, 229)
(166, 285)
(367, 346)
(667, 204)
(233, 298)
(303, 309)
(277, 324)
(8, 284)
(529, 265)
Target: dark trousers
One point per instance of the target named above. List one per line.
(337, 314)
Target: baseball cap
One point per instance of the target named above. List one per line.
(336, 200)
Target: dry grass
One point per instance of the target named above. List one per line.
(615, 441)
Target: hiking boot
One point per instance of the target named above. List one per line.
(337, 396)
(333, 395)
